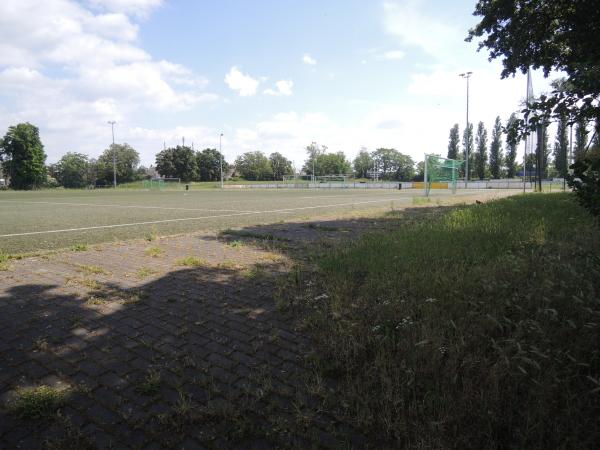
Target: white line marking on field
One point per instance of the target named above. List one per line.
(153, 222)
(124, 206)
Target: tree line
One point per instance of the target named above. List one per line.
(23, 162)
(499, 160)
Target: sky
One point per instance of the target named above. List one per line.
(271, 75)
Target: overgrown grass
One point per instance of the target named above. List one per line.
(37, 403)
(479, 329)
(191, 261)
(4, 261)
(154, 251)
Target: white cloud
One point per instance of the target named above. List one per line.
(409, 21)
(244, 84)
(307, 59)
(283, 87)
(138, 7)
(70, 66)
(394, 55)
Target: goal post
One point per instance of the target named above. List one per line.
(441, 170)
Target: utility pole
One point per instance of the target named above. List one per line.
(221, 154)
(467, 75)
(112, 127)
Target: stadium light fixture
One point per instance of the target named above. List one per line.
(221, 155)
(467, 75)
(112, 127)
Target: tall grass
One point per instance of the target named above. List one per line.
(480, 329)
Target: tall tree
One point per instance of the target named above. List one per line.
(22, 156)
(468, 138)
(454, 142)
(394, 165)
(311, 164)
(127, 159)
(280, 166)
(558, 35)
(561, 147)
(177, 162)
(333, 164)
(363, 163)
(546, 160)
(512, 143)
(581, 138)
(209, 163)
(481, 149)
(254, 166)
(496, 150)
(72, 169)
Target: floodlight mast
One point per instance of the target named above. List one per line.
(221, 159)
(314, 146)
(467, 75)
(112, 127)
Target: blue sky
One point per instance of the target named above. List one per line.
(270, 75)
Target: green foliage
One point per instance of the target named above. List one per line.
(512, 143)
(454, 142)
(481, 155)
(333, 164)
(435, 331)
(191, 261)
(468, 139)
(37, 403)
(558, 35)
(581, 138)
(561, 147)
(177, 162)
(363, 163)
(127, 159)
(420, 173)
(209, 165)
(22, 157)
(72, 169)
(280, 166)
(585, 180)
(311, 165)
(394, 165)
(496, 150)
(254, 166)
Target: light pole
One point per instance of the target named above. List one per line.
(112, 127)
(314, 146)
(467, 75)
(221, 154)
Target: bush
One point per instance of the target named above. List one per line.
(585, 180)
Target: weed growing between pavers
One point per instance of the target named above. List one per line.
(4, 265)
(91, 269)
(151, 384)
(144, 272)
(154, 251)
(192, 261)
(40, 402)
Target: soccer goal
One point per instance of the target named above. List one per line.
(331, 179)
(155, 184)
(441, 173)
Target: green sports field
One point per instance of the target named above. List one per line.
(40, 220)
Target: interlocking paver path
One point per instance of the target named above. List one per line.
(149, 353)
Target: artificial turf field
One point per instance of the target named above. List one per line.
(43, 220)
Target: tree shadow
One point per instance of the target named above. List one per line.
(202, 356)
